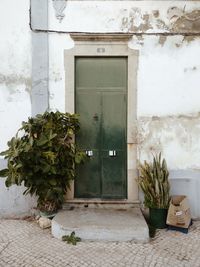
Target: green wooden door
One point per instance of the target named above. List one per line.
(101, 96)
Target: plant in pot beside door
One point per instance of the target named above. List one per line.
(154, 182)
(42, 157)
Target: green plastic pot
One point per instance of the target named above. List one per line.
(158, 217)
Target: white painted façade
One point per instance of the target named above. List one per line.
(38, 43)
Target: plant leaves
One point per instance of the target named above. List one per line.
(43, 155)
(153, 180)
(53, 182)
(4, 173)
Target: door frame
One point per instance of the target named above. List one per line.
(108, 45)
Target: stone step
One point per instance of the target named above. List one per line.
(98, 203)
(101, 224)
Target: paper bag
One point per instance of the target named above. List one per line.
(179, 214)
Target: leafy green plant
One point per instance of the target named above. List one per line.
(71, 239)
(154, 182)
(43, 155)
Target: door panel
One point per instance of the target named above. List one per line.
(88, 105)
(101, 72)
(88, 183)
(113, 120)
(114, 141)
(113, 173)
(101, 86)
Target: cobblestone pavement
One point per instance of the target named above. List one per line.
(23, 243)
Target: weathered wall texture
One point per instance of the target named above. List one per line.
(122, 16)
(168, 106)
(15, 87)
(15, 72)
(168, 74)
(167, 35)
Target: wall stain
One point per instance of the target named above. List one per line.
(156, 133)
(162, 40)
(135, 21)
(190, 38)
(14, 79)
(55, 76)
(173, 13)
(144, 26)
(178, 45)
(161, 25)
(188, 22)
(140, 40)
(192, 69)
(179, 21)
(156, 13)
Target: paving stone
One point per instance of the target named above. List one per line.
(44, 222)
(24, 244)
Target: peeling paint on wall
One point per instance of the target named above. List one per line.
(160, 134)
(173, 13)
(144, 26)
(156, 13)
(179, 21)
(168, 73)
(187, 22)
(136, 21)
(162, 40)
(190, 38)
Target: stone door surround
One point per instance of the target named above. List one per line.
(107, 45)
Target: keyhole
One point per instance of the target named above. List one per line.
(95, 117)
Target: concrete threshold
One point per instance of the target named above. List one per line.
(101, 224)
(101, 203)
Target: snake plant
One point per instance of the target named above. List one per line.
(153, 181)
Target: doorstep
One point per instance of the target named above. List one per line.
(100, 203)
(101, 224)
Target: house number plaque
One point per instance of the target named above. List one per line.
(101, 50)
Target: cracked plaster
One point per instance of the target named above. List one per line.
(180, 133)
(176, 136)
(179, 21)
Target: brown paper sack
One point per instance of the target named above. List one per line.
(179, 214)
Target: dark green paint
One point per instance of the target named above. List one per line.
(101, 96)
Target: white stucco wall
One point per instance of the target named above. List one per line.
(15, 67)
(168, 76)
(168, 73)
(15, 87)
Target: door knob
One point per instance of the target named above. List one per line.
(89, 153)
(112, 153)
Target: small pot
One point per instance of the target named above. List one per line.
(158, 217)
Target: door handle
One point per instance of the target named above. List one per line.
(112, 153)
(89, 153)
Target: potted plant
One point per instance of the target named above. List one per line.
(154, 182)
(42, 156)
